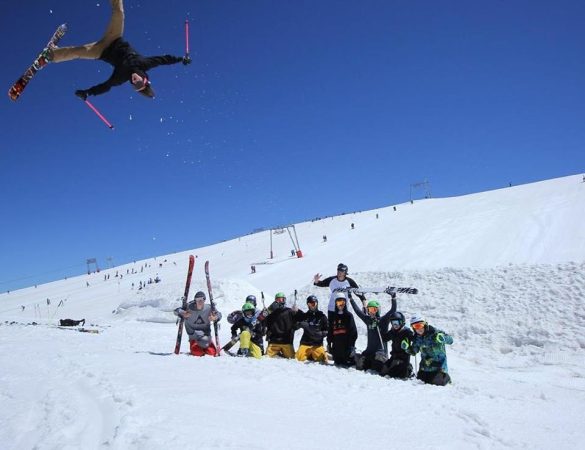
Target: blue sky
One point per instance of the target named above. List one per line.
(290, 110)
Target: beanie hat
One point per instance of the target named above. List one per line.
(200, 294)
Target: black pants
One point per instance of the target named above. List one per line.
(368, 362)
(437, 378)
(397, 368)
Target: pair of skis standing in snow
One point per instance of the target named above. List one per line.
(278, 323)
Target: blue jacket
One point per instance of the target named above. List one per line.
(433, 356)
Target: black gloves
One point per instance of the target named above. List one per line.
(186, 60)
(81, 94)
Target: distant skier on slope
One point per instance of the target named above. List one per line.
(128, 64)
(430, 341)
(198, 318)
(341, 280)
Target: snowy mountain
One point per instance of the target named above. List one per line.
(502, 271)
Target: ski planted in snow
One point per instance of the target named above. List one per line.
(185, 299)
(380, 290)
(213, 308)
(41, 61)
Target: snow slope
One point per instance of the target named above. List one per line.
(502, 271)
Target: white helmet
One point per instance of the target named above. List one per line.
(416, 319)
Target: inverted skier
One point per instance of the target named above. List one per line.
(128, 64)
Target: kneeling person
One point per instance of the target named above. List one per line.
(198, 318)
(314, 324)
(251, 332)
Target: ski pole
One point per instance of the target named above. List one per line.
(187, 38)
(94, 109)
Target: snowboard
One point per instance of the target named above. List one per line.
(41, 61)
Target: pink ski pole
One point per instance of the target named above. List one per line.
(94, 109)
(187, 37)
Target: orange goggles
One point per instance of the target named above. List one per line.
(340, 301)
(418, 325)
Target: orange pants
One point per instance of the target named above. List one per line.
(198, 351)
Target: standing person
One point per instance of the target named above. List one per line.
(251, 332)
(398, 366)
(315, 329)
(342, 333)
(339, 281)
(198, 318)
(430, 341)
(375, 354)
(128, 64)
(280, 326)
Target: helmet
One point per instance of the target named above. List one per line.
(341, 267)
(340, 296)
(251, 299)
(373, 304)
(248, 307)
(279, 295)
(200, 294)
(312, 298)
(416, 319)
(398, 316)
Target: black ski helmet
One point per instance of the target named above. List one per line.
(398, 316)
(312, 298)
(342, 268)
(251, 299)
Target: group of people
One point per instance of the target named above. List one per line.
(327, 337)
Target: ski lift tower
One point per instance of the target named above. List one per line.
(92, 262)
(294, 240)
(425, 185)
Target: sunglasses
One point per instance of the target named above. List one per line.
(372, 309)
(418, 325)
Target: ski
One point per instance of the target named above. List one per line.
(41, 61)
(213, 308)
(231, 343)
(185, 299)
(379, 290)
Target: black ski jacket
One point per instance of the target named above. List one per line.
(257, 330)
(280, 325)
(342, 329)
(314, 324)
(377, 327)
(397, 336)
(127, 61)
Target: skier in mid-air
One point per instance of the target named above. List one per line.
(128, 64)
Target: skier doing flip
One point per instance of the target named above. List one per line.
(111, 48)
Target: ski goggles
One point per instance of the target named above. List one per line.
(340, 302)
(418, 326)
(396, 323)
